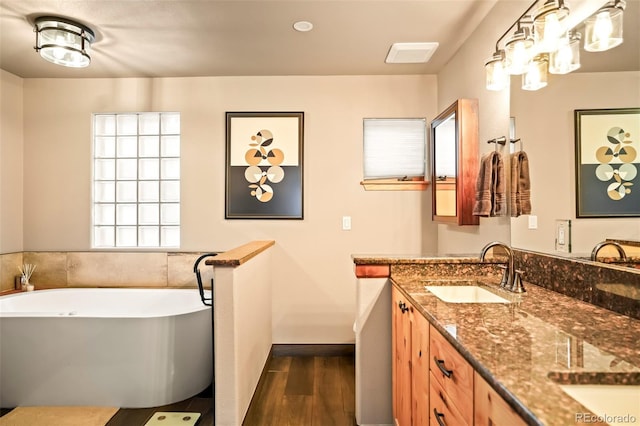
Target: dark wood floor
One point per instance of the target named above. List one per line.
(295, 390)
(305, 391)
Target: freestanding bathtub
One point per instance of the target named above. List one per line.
(112, 347)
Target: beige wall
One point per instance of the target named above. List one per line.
(11, 151)
(314, 295)
(545, 122)
(463, 77)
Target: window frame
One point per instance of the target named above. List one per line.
(166, 178)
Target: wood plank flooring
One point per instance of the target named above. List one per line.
(305, 391)
(293, 391)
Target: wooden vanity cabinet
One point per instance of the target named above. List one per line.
(433, 384)
(401, 356)
(451, 386)
(420, 366)
(410, 366)
(490, 408)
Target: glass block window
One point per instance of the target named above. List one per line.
(136, 180)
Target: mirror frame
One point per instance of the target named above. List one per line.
(466, 135)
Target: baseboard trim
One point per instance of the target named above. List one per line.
(347, 349)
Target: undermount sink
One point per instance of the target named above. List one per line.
(609, 400)
(465, 294)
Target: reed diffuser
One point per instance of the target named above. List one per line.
(27, 270)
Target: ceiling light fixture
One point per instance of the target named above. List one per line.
(543, 42)
(63, 42)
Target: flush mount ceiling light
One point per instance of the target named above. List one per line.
(544, 42)
(63, 42)
(411, 53)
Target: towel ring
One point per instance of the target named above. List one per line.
(516, 141)
(502, 140)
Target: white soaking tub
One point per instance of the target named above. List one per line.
(110, 347)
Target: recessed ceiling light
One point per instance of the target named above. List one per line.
(410, 53)
(303, 26)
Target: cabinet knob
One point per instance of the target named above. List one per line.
(403, 307)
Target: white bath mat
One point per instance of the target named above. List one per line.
(162, 418)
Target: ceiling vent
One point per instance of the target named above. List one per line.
(410, 53)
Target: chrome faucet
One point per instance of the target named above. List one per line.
(601, 244)
(511, 279)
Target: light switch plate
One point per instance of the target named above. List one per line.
(533, 222)
(346, 223)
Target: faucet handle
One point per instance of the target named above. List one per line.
(504, 282)
(517, 282)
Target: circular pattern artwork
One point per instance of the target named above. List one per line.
(621, 172)
(257, 175)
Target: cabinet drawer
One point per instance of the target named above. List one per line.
(450, 413)
(442, 356)
(490, 408)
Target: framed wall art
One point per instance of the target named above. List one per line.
(607, 162)
(264, 165)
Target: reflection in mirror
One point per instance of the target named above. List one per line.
(445, 166)
(544, 120)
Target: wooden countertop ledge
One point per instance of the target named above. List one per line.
(239, 255)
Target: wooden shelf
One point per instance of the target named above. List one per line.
(394, 185)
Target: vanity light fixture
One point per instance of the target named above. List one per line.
(518, 51)
(536, 75)
(567, 57)
(543, 42)
(63, 41)
(603, 31)
(548, 25)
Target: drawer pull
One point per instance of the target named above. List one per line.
(440, 364)
(403, 307)
(438, 417)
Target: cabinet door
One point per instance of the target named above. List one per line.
(401, 351)
(420, 367)
(490, 408)
(453, 373)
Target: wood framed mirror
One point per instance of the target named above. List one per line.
(454, 163)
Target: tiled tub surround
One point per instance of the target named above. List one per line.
(526, 349)
(104, 269)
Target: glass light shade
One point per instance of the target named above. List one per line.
(603, 31)
(518, 52)
(549, 25)
(567, 58)
(497, 77)
(63, 42)
(536, 76)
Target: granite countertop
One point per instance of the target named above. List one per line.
(528, 348)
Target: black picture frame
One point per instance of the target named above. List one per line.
(264, 165)
(607, 149)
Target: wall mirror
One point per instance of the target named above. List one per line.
(454, 163)
(544, 120)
